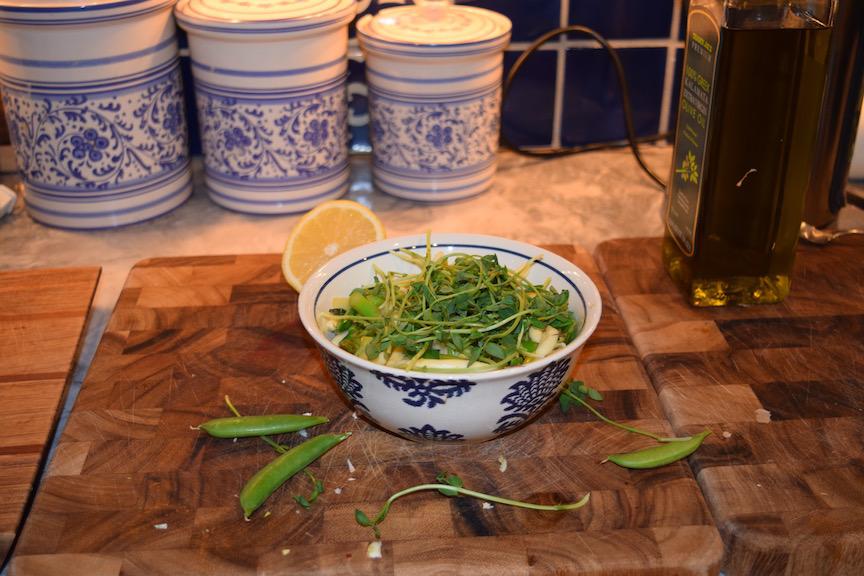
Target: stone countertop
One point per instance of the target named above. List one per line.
(583, 199)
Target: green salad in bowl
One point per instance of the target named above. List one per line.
(458, 312)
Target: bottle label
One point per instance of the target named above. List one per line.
(691, 135)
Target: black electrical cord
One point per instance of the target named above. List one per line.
(626, 106)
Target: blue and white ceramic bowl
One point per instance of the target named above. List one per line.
(449, 407)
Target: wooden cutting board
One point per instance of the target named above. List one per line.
(788, 494)
(42, 318)
(133, 490)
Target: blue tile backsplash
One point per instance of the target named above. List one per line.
(528, 112)
(534, 17)
(567, 92)
(620, 19)
(592, 100)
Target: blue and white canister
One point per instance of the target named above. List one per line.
(270, 89)
(434, 76)
(94, 102)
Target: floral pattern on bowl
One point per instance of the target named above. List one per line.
(428, 392)
(527, 397)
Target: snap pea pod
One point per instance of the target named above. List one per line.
(661, 455)
(286, 465)
(267, 425)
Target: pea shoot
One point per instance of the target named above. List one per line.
(451, 485)
(458, 313)
(671, 449)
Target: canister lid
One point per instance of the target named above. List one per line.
(74, 11)
(419, 26)
(263, 15)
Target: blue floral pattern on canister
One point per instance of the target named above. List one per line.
(424, 391)
(273, 139)
(435, 137)
(428, 432)
(99, 140)
(345, 379)
(526, 397)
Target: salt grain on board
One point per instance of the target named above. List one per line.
(502, 463)
(763, 416)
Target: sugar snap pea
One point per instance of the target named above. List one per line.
(661, 455)
(248, 426)
(286, 465)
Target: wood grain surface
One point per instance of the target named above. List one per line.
(133, 490)
(42, 318)
(787, 492)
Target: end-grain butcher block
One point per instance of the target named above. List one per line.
(784, 386)
(134, 489)
(42, 317)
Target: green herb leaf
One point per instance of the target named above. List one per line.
(373, 349)
(495, 350)
(361, 518)
(564, 402)
(450, 479)
(457, 341)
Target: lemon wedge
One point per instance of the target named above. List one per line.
(329, 229)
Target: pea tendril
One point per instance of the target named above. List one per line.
(451, 485)
(317, 489)
(578, 392)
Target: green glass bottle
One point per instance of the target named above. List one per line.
(754, 74)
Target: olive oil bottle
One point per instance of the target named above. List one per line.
(752, 86)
